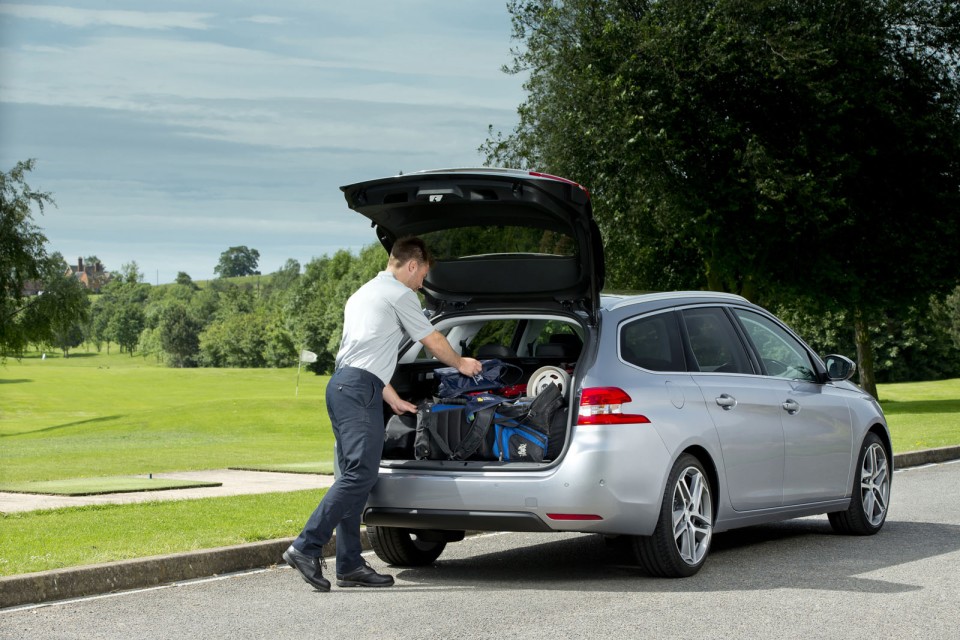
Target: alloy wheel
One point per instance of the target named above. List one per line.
(875, 484)
(692, 515)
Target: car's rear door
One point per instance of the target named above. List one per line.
(742, 406)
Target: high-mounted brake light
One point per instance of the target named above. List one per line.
(604, 405)
(537, 174)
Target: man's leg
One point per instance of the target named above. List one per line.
(355, 404)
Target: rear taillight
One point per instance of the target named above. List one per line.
(604, 405)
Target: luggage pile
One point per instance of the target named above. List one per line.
(482, 418)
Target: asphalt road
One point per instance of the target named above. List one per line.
(791, 580)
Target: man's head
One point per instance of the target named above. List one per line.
(410, 261)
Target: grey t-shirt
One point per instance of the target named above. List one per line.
(375, 320)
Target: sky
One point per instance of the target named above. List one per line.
(169, 131)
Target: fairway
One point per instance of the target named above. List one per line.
(93, 415)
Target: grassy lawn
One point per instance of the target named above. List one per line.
(94, 415)
(35, 541)
(97, 415)
(922, 415)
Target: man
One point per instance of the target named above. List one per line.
(375, 320)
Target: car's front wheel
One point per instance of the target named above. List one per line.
(403, 547)
(871, 492)
(681, 539)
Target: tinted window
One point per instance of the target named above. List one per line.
(653, 343)
(714, 342)
(781, 354)
(449, 244)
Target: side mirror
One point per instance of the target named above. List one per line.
(839, 367)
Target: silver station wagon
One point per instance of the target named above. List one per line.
(685, 413)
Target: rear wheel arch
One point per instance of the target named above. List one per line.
(704, 457)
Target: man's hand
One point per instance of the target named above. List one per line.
(398, 404)
(469, 367)
(439, 347)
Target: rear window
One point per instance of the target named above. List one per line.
(714, 342)
(450, 244)
(653, 343)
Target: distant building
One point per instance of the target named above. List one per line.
(32, 288)
(91, 276)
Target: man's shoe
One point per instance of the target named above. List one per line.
(364, 576)
(309, 568)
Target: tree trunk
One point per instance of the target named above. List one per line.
(864, 353)
(714, 282)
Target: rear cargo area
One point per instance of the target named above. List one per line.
(501, 423)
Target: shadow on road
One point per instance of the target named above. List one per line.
(797, 554)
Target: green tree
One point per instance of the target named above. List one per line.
(238, 261)
(125, 326)
(184, 279)
(99, 319)
(67, 337)
(758, 146)
(130, 273)
(57, 316)
(121, 313)
(148, 343)
(236, 340)
(180, 335)
(23, 256)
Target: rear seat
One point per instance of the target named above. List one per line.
(495, 351)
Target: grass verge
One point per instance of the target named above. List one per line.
(35, 541)
(922, 415)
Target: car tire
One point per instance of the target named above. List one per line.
(870, 497)
(402, 547)
(681, 539)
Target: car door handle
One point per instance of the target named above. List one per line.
(726, 401)
(790, 406)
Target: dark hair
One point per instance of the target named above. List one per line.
(410, 248)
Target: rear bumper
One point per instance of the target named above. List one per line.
(611, 475)
(454, 520)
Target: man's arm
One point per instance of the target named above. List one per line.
(439, 347)
(398, 404)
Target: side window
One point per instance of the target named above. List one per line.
(494, 333)
(492, 340)
(653, 343)
(714, 342)
(782, 355)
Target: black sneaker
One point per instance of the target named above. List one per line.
(364, 576)
(310, 568)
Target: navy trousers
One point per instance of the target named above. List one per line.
(355, 405)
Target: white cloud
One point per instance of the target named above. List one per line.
(265, 20)
(256, 97)
(72, 17)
